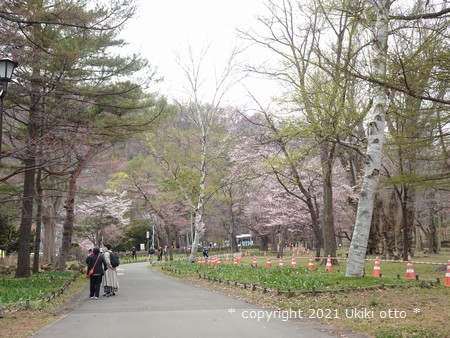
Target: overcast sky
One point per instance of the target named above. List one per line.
(166, 27)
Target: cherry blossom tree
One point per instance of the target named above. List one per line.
(103, 218)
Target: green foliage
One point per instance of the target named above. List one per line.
(286, 278)
(19, 290)
(135, 234)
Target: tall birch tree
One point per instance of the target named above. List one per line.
(376, 126)
(197, 145)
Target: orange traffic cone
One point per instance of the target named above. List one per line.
(293, 263)
(265, 253)
(329, 267)
(199, 261)
(235, 262)
(376, 269)
(269, 262)
(255, 262)
(310, 264)
(228, 259)
(218, 260)
(447, 275)
(281, 263)
(410, 271)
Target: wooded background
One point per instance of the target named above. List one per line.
(92, 154)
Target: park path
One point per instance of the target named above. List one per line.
(152, 305)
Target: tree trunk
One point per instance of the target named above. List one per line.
(68, 224)
(23, 258)
(198, 219)
(432, 233)
(329, 239)
(264, 245)
(273, 242)
(233, 241)
(389, 221)
(37, 239)
(358, 246)
(376, 228)
(51, 203)
(282, 241)
(66, 242)
(407, 208)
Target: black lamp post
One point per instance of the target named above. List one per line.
(7, 67)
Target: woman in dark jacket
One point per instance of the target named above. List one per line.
(99, 264)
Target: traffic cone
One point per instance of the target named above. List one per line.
(447, 275)
(281, 263)
(265, 253)
(329, 267)
(410, 271)
(255, 262)
(235, 262)
(269, 262)
(376, 269)
(228, 259)
(293, 263)
(199, 261)
(310, 264)
(218, 260)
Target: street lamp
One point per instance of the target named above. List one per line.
(7, 67)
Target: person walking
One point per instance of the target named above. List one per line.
(205, 252)
(166, 253)
(111, 281)
(96, 261)
(133, 253)
(151, 252)
(160, 253)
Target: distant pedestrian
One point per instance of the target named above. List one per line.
(111, 281)
(160, 253)
(166, 253)
(133, 253)
(151, 252)
(205, 252)
(97, 262)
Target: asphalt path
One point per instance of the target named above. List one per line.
(150, 304)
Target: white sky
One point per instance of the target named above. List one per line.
(166, 27)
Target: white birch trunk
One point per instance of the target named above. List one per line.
(358, 246)
(198, 220)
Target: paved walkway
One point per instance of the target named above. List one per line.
(149, 304)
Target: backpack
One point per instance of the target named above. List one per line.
(114, 258)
